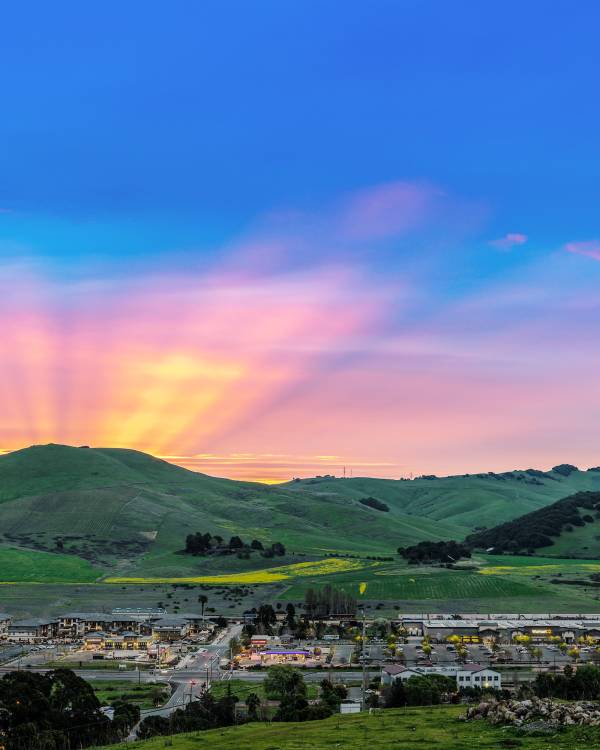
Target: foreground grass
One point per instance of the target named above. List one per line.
(435, 728)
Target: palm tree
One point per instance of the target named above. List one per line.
(253, 704)
(203, 599)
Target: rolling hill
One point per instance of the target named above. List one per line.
(125, 512)
(567, 528)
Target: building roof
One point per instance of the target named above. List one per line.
(169, 622)
(96, 616)
(283, 652)
(397, 669)
(33, 622)
(474, 668)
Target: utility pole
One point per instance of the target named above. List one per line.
(364, 664)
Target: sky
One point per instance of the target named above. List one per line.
(274, 239)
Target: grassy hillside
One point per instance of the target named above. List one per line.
(127, 514)
(430, 728)
(469, 501)
(569, 528)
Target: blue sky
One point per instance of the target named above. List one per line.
(218, 111)
(444, 154)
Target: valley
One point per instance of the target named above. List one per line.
(95, 524)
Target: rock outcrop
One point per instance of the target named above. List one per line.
(544, 713)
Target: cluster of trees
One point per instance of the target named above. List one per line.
(57, 711)
(373, 502)
(206, 544)
(286, 685)
(420, 690)
(207, 712)
(536, 529)
(428, 552)
(328, 601)
(580, 684)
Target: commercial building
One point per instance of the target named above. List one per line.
(501, 628)
(127, 641)
(466, 675)
(33, 630)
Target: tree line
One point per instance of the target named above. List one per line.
(58, 711)
(208, 544)
(428, 552)
(327, 601)
(537, 529)
(283, 683)
(580, 684)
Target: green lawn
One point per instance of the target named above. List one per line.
(424, 728)
(20, 565)
(142, 695)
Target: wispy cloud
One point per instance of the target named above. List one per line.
(386, 210)
(590, 248)
(293, 351)
(509, 240)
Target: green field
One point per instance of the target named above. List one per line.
(499, 584)
(142, 695)
(44, 567)
(423, 586)
(425, 728)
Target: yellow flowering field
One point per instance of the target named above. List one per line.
(550, 568)
(268, 575)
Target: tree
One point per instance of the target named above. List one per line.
(265, 617)
(425, 690)
(282, 681)
(59, 705)
(252, 704)
(203, 601)
(332, 695)
(278, 549)
(235, 543)
(395, 695)
(536, 653)
(255, 544)
(290, 615)
(126, 715)
(153, 726)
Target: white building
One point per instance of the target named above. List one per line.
(466, 675)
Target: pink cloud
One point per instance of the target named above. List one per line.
(590, 248)
(386, 210)
(509, 240)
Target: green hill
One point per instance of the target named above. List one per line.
(567, 528)
(125, 512)
(469, 501)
